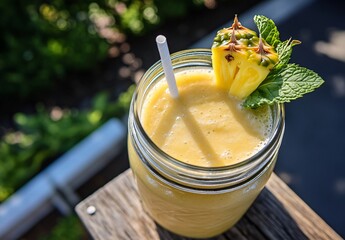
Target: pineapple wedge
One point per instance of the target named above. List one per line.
(241, 60)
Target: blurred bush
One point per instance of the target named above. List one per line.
(41, 41)
(66, 228)
(47, 134)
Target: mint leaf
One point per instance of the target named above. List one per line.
(283, 85)
(267, 29)
(284, 50)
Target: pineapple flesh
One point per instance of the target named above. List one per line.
(241, 60)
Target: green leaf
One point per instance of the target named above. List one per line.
(283, 85)
(267, 29)
(284, 50)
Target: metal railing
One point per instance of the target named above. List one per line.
(55, 186)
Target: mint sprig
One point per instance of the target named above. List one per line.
(283, 85)
(286, 81)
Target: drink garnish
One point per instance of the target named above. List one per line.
(256, 68)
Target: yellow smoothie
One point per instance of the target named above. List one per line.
(204, 127)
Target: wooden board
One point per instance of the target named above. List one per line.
(115, 212)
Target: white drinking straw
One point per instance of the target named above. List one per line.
(167, 66)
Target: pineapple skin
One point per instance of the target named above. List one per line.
(241, 65)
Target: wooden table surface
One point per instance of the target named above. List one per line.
(115, 212)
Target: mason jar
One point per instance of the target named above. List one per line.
(191, 200)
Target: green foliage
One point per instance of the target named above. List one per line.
(67, 228)
(47, 134)
(42, 41)
(137, 17)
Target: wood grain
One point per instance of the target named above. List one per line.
(278, 213)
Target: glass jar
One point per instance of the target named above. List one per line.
(189, 200)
